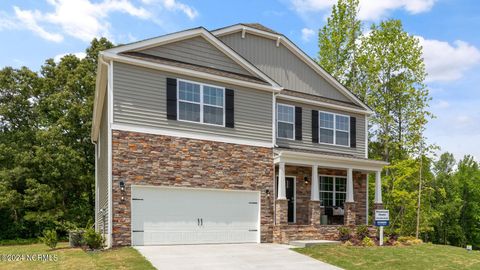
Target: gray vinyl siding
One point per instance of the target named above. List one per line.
(281, 65)
(139, 98)
(102, 171)
(306, 142)
(197, 51)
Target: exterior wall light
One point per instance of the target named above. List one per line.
(122, 186)
(267, 191)
(305, 178)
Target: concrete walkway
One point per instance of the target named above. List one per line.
(231, 257)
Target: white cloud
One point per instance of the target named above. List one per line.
(448, 62)
(86, 19)
(59, 57)
(29, 20)
(173, 5)
(368, 9)
(442, 104)
(307, 33)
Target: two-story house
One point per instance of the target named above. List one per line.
(226, 136)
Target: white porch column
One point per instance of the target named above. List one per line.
(281, 181)
(349, 185)
(378, 187)
(315, 191)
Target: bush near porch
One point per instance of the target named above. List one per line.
(422, 256)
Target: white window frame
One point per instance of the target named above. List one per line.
(291, 106)
(334, 191)
(334, 129)
(201, 103)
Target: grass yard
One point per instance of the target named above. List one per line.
(424, 256)
(74, 258)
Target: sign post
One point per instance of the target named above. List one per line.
(382, 219)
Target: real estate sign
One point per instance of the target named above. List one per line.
(382, 218)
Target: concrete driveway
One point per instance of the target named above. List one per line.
(231, 256)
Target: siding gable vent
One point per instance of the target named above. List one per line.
(171, 99)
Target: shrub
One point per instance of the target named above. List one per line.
(93, 239)
(409, 240)
(368, 242)
(50, 238)
(344, 233)
(397, 244)
(362, 232)
(75, 238)
(348, 244)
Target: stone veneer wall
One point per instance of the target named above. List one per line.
(303, 191)
(145, 159)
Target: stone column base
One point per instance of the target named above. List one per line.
(350, 215)
(315, 212)
(281, 212)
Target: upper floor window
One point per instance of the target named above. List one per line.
(201, 103)
(334, 129)
(285, 121)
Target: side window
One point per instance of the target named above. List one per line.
(285, 121)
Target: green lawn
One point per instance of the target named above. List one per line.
(75, 258)
(424, 256)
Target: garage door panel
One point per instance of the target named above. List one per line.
(194, 216)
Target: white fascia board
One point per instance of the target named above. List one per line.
(191, 135)
(324, 104)
(142, 45)
(299, 158)
(100, 88)
(189, 72)
(300, 54)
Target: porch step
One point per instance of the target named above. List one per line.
(309, 243)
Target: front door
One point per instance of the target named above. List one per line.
(290, 194)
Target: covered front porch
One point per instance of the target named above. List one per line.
(316, 193)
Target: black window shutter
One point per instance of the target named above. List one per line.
(171, 99)
(314, 126)
(298, 123)
(229, 108)
(353, 132)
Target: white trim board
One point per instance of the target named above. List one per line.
(190, 135)
(329, 161)
(299, 53)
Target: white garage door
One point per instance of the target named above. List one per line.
(163, 216)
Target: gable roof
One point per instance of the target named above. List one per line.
(190, 33)
(260, 30)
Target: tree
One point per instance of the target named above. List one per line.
(337, 42)
(46, 158)
(391, 66)
(468, 176)
(447, 201)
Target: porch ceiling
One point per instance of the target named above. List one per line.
(321, 159)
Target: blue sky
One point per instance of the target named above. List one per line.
(33, 30)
